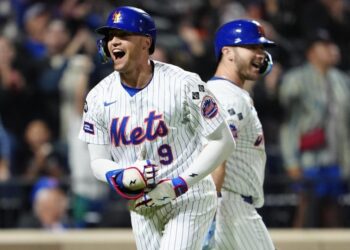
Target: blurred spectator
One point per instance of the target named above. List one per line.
(89, 194)
(198, 50)
(42, 156)
(49, 207)
(52, 67)
(315, 135)
(63, 83)
(36, 18)
(83, 13)
(334, 16)
(17, 102)
(70, 88)
(61, 50)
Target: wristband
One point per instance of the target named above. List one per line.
(114, 178)
(180, 186)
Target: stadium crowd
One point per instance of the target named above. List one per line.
(49, 61)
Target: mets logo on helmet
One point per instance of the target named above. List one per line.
(116, 17)
(209, 107)
(261, 30)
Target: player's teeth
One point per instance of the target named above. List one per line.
(256, 65)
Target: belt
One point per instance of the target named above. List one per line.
(248, 199)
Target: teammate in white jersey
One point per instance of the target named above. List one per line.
(146, 112)
(239, 50)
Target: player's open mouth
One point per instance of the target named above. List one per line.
(256, 65)
(118, 54)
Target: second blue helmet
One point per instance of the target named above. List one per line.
(239, 33)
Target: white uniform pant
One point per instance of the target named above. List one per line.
(239, 226)
(181, 224)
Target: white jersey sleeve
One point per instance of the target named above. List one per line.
(93, 128)
(201, 107)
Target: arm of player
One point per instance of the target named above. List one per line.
(220, 145)
(129, 182)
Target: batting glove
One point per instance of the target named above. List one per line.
(165, 191)
(131, 182)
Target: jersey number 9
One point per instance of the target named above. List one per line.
(165, 154)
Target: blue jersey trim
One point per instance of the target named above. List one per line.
(132, 91)
(220, 78)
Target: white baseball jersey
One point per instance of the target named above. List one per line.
(238, 225)
(168, 117)
(246, 166)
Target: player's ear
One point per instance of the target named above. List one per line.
(147, 42)
(227, 52)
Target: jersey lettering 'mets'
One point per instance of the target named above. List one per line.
(138, 134)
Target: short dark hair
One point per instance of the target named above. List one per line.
(319, 35)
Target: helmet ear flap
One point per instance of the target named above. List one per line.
(267, 66)
(103, 50)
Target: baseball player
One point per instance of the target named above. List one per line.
(144, 125)
(239, 50)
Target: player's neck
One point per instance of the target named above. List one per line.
(229, 75)
(138, 77)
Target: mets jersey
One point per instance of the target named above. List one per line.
(246, 165)
(167, 118)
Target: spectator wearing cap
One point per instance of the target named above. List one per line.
(315, 132)
(35, 19)
(49, 207)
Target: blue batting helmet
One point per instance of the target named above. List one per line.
(239, 33)
(129, 19)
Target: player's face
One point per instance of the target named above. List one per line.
(248, 60)
(127, 50)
